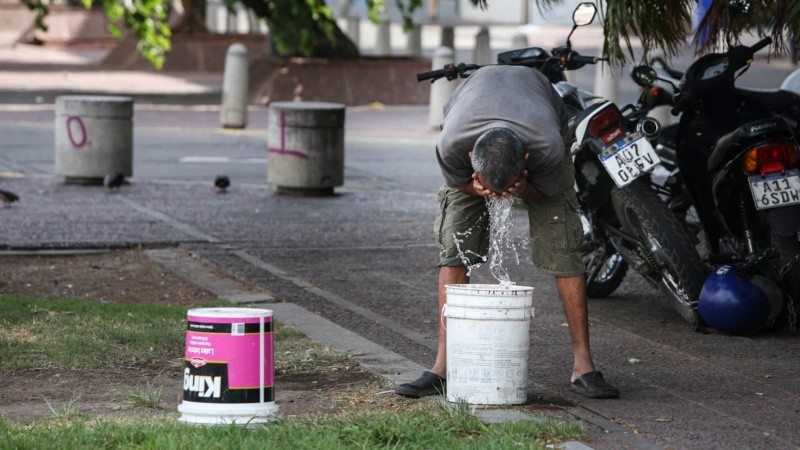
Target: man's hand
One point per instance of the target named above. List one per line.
(481, 190)
(517, 187)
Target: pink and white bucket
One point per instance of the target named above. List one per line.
(229, 368)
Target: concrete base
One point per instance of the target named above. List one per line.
(93, 137)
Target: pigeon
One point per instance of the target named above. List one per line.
(113, 180)
(221, 183)
(8, 197)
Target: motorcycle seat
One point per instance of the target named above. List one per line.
(771, 99)
(731, 144)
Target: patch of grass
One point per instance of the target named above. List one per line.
(68, 411)
(443, 427)
(147, 396)
(87, 335)
(295, 352)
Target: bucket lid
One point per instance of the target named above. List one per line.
(494, 290)
(230, 312)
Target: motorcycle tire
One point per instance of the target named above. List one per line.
(674, 264)
(609, 277)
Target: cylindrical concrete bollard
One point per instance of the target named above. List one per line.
(93, 137)
(234, 88)
(353, 29)
(441, 89)
(482, 52)
(383, 42)
(306, 147)
(448, 38)
(414, 44)
(606, 81)
(216, 16)
(519, 40)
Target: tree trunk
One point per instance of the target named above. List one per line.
(193, 20)
(292, 30)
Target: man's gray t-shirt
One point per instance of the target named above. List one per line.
(515, 97)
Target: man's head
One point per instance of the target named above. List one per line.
(498, 158)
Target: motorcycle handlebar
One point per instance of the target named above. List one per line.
(435, 74)
(586, 59)
(450, 71)
(761, 44)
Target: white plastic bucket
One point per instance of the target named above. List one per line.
(229, 367)
(488, 341)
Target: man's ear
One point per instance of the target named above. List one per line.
(470, 155)
(526, 156)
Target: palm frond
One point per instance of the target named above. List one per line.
(658, 25)
(727, 20)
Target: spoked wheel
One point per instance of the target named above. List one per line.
(673, 263)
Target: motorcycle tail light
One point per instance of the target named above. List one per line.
(606, 125)
(770, 158)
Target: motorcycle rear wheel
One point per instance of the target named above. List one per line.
(673, 262)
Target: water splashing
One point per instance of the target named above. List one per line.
(458, 238)
(501, 216)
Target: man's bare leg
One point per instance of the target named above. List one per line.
(572, 291)
(447, 275)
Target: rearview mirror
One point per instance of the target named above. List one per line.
(644, 75)
(584, 14)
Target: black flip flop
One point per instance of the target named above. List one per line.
(428, 384)
(593, 385)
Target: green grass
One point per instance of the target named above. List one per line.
(87, 335)
(147, 396)
(445, 427)
(66, 412)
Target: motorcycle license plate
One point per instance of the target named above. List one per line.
(628, 158)
(776, 189)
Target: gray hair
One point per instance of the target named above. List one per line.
(498, 154)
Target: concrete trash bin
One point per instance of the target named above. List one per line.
(93, 137)
(306, 147)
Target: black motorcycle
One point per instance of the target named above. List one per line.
(737, 157)
(625, 222)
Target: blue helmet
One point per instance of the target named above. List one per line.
(739, 300)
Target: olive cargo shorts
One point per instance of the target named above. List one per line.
(556, 232)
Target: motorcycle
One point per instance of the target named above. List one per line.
(626, 224)
(736, 154)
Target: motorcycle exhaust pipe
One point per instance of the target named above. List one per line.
(649, 127)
